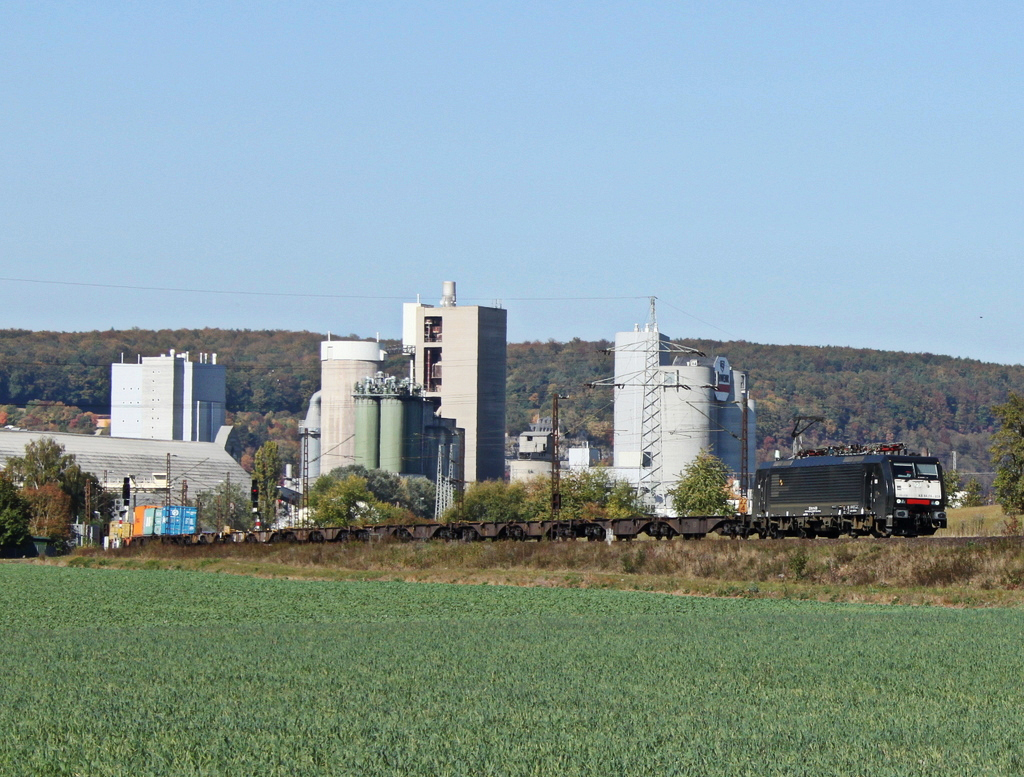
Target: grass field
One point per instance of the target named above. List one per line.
(120, 672)
(985, 521)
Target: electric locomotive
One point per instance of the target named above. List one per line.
(857, 490)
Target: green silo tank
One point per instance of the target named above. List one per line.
(367, 442)
(392, 429)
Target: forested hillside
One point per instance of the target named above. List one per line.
(931, 402)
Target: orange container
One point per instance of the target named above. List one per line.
(139, 519)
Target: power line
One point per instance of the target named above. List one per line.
(291, 294)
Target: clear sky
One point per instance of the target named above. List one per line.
(815, 173)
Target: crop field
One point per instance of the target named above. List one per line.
(115, 672)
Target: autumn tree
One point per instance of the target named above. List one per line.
(46, 463)
(51, 511)
(702, 488)
(1008, 454)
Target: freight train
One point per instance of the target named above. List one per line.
(879, 490)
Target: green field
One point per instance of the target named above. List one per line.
(113, 672)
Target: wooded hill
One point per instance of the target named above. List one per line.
(931, 402)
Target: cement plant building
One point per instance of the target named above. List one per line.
(459, 355)
(452, 400)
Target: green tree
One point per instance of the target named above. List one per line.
(412, 494)
(342, 502)
(420, 496)
(266, 472)
(491, 500)
(703, 488)
(227, 504)
(385, 486)
(1008, 454)
(953, 484)
(14, 514)
(971, 495)
(623, 500)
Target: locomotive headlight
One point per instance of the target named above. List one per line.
(935, 501)
(900, 501)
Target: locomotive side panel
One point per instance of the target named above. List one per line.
(824, 490)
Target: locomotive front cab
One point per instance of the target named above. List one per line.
(918, 499)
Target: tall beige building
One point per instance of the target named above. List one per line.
(460, 358)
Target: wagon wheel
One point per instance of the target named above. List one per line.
(316, 536)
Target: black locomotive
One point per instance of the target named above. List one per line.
(879, 490)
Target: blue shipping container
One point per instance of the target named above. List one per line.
(179, 519)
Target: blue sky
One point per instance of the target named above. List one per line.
(813, 173)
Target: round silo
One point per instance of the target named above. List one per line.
(689, 416)
(367, 434)
(412, 449)
(392, 433)
(342, 364)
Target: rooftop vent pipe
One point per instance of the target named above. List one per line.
(448, 294)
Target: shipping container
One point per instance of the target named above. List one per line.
(179, 519)
(142, 525)
(153, 521)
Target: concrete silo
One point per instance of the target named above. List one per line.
(343, 363)
(689, 414)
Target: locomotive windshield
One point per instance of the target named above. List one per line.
(907, 470)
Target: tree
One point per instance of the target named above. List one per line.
(960, 493)
(45, 462)
(227, 504)
(414, 494)
(491, 500)
(342, 502)
(703, 488)
(953, 484)
(267, 474)
(971, 495)
(420, 496)
(1008, 454)
(51, 511)
(385, 486)
(14, 514)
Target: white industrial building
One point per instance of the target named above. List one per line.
(168, 397)
(672, 402)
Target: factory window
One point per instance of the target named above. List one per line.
(432, 329)
(432, 368)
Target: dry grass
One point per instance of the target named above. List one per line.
(911, 571)
(985, 521)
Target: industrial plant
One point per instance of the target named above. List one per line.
(445, 421)
(670, 403)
